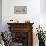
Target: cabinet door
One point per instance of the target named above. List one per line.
(20, 37)
(24, 38)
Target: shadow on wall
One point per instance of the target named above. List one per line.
(43, 6)
(0, 15)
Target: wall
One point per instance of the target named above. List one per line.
(0, 15)
(43, 6)
(34, 14)
(43, 14)
(33, 10)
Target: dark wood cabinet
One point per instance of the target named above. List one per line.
(22, 33)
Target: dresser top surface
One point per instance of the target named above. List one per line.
(19, 23)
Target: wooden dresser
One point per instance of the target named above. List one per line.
(22, 33)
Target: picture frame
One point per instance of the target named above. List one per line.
(20, 10)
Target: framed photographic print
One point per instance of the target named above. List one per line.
(20, 9)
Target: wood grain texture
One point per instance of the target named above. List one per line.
(23, 27)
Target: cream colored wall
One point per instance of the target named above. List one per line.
(34, 14)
